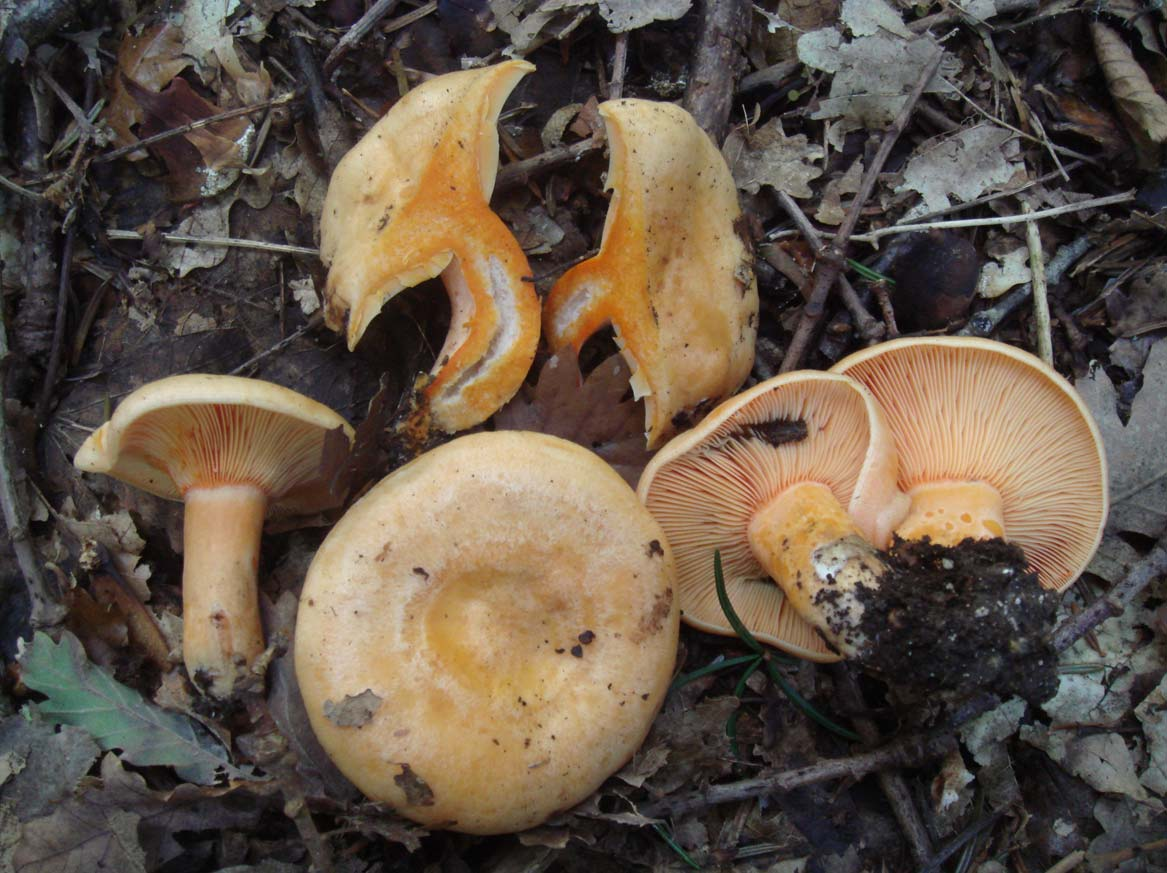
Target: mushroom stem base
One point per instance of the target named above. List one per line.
(222, 631)
(950, 512)
(810, 546)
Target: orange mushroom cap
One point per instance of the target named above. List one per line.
(410, 202)
(673, 276)
(487, 634)
(707, 487)
(979, 416)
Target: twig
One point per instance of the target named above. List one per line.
(910, 751)
(770, 76)
(829, 268)
(228, 242)
(45, 609)
(996, 221)
(53, 368)
(314, 321)
(403, 21)
(358, 32)
(194, 125)
(971, 832)
(717, 60)
(331, 130)
(520, 172)
(988, 320)
(83, 122)
(5, 182)
(1045, 347)
(619, 64)
(891, 781)
(1115, 601)
(870, 329)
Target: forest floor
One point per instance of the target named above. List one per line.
(1041, 130)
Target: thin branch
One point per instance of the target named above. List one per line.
(891, 781)
(76, 111)
(331, 130)
(996, 221)
(519, 172)
(7, 183)
(194, 125)
(870, 329)
(911, 751)
(717, 59)
(224, 241)
(619, 64)
(54, 363)
(828, 269)
(1115, 601)
(1045, 346)
(358, 32)
(986, 321)
(314, 321)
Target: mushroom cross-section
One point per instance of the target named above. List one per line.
(488, 633)
(673, 277)
(233, 450)
(992, 442)
(792, 481)
(410, 202)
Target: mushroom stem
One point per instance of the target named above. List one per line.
(950, 512)
(809, 545)
(222, 631)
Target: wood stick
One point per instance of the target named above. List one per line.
(519, 172)
(716, 63)
(358, 32)
(829, 268)
(1045, 346)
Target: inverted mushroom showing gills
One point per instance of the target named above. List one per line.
(410, 202)
(673, 276)
(488, 633)
(794, 482)
(234, 450)
(992, 443)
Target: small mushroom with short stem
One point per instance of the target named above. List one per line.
(674, 276)
(992, 443)
(234, 450)
(794, 483)
(487, 634)
(411, 202)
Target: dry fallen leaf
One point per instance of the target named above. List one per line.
(965, 166)
(1008, 271)
(767, 156)
(597, 412)
(524, 20)
(831, 210)
(1152, 713)
(354, 710)
(1136, 97)
(150, 61)
(208, 220)
(1137, 452)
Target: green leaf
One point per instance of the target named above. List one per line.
(117, 717)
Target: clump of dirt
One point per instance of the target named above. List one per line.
(961, 618)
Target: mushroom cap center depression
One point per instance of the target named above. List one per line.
(481, 626)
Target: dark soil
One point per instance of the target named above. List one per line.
(962, 618)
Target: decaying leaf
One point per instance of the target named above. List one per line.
(118, 823)
(767, 156)
(354, 711)
(40, 766)
(965, 166)
(1137, 452)
(525, 20)
(831, 210)
(1102, 761)
(117, 717)
(208, 40)
(873, 72)
(1008, 271)
(1144, 307)
(117, 535)
(1152, 713)
(150, 61)
(208, 220)
(1129, 84)
(597, 412)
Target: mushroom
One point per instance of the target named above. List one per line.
(487, 634)
(792, 481)
(992, 442)
(234, 450)
(410, 202)
(673, 276)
